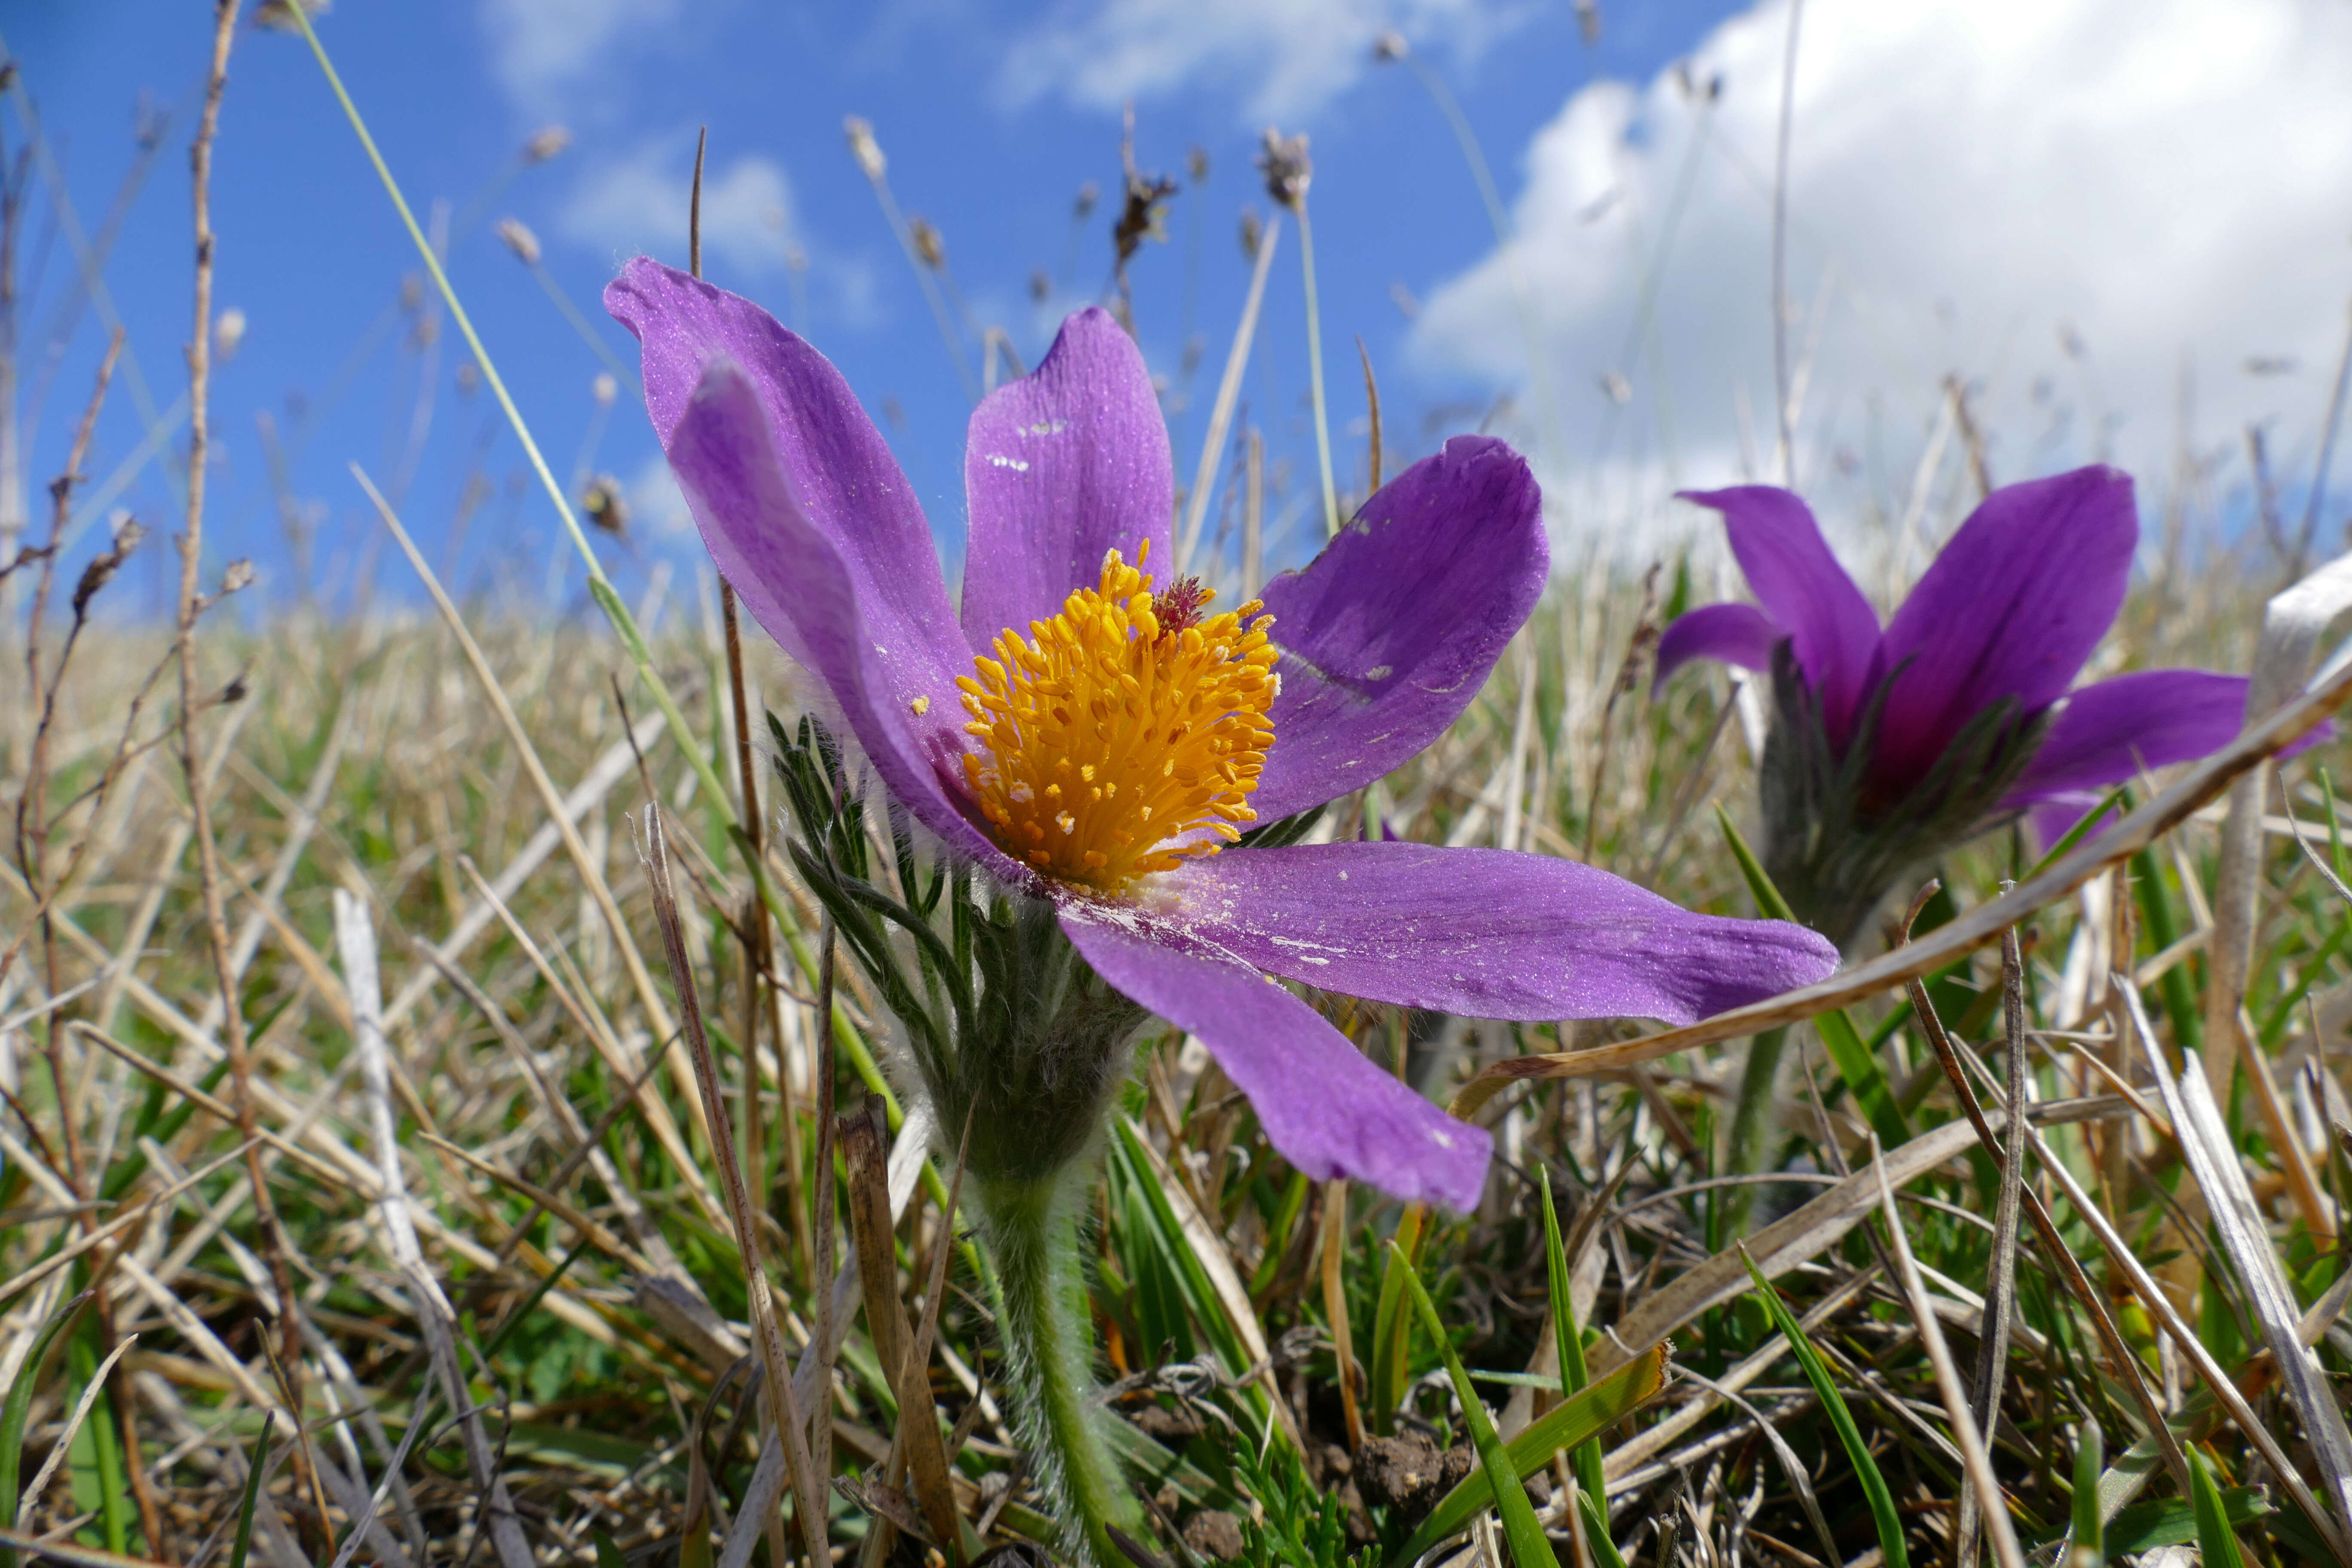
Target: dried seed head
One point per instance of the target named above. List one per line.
(1041, 286)
(469, 378)
(237, 576)
(603, 503)
(229, 330)
(1084, 207)
(102, 568)
(412, 291)
(1616, 388)
(1588, 21)
(1143, 216)
(546, 143)
(864, 148)
(278, 15)
(795, 259)
(1253, 232)
(519, 239)
(1196, 163)
(1287, 168)
(924, 238)
(605, 388)
(1391, 45)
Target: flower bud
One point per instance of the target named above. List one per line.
(228, 331)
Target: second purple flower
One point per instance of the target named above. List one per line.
(1889, 747)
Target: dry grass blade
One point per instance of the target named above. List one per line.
(2159, 1305)
(784, 1408)
(66, 1434)
(2000, 1286)
(2213, 1159)
(2123, 1364)
(1795, 1239)
(592, 875)
(355, 943)
(1970, 1441)
(1229, 389)
(2294, 624)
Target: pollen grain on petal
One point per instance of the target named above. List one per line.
(1133, 733)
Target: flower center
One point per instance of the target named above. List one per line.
(1126, 733)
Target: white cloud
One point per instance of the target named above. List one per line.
(2065, 202)
(657, 503)
(541, 47)
(1285, 57)
(639, 202)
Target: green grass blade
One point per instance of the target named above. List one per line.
(2215, 1538)
(1526, 1537)
(18, 1410)
(1576, 1420)
(1857, 1452)
(255, 1471)
(2172, 1521)
(1573, 1374)
(2090, 1530)
(1856, 1063)
(1393, 1325)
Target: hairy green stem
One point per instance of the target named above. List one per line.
(1039, 1281)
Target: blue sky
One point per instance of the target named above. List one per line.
(2126, 227)
(310, 250)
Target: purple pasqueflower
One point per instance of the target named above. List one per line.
(1958, 713)
(1091, 745)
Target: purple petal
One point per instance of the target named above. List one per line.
(2107, 732)
(842, 477)
(891, 671)
(1061, 466)
(1487, 932)
(1329, 1111)
(1390, 633)
(1738, 634)
(1803, 590)
(2012, 607)
(805, 512)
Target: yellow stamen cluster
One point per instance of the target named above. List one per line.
(1112, 741)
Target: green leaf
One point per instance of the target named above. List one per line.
(2090, 1531)
(1573, 1374)
(1393, 1325)
(1575, 1421)
(18, 1410)
(257, 1471)
(1856, 1062)
(607, 1554)
(2215, 1538)
(1857, 1451)
(2172, 1521)
(1526, 1537)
